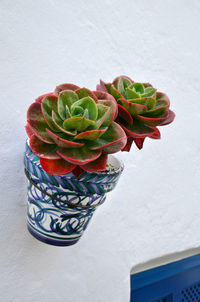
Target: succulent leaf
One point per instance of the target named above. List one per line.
(62, 141)
(66, 86)
(149, 102)
(97, 165)
(78, 123)
(59, 124)
(79, 156)
(154, 121)
(84, 92)
(37, 123)
(113, 140)
(124, 114)
(65, 100)
(132, 108)
(91, 134)
(56, 167)
(49, 104)
(138, 129)
(89, 104)
(42, 149)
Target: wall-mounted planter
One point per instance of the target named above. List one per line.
(60, 207)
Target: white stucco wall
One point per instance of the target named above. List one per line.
(155, 209)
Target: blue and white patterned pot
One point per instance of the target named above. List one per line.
(60, 207)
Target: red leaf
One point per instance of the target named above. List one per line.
(66, 86)
(101, 86)
(124, 114)
(77, 171)
(84, 92)
(91, 134)
(138, 130)
(29, 131)
(112, 141)
(139, 142)
(62, 142)
(108, 100)
(154, 121)
(128, 144)
(56, 167)
(41, 97)
(169, 119)
(132, 108)
(42, 149)
(162, 97)
(37, 123)
(98, 165)
(156, 134)
(79, 156)
(122, 76)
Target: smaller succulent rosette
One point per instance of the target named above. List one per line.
(141, 108)
(73, 129)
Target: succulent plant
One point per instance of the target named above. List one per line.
(141, 108)
(73, 129)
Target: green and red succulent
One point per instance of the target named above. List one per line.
(141, 108)
(73, 129)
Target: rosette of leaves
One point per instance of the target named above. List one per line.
(73, 129)
(141, 108)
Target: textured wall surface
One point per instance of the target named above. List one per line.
(155, 209)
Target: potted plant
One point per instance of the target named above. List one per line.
(141, 108)
(71, 133)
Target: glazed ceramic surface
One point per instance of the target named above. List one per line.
(60, 207)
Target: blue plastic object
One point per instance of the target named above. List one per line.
(175, 282)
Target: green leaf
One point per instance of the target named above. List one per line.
(137, 87)
(67, 97)
(83, 92)
(102, 114)
(76, 110)
(91, 134)
(115, 93)
(63, 140)
(86, 114)
(79, 156)
(42, 149)
(159, 109)
(131, 94)
(113, 140)
(132, 108)
(49, 104)
(149, 91)
(78, 123)
(67, 112)
(147, 101)
(121, 83)
(87, 103)
(37, 122)
(137, 129)
(59, 124)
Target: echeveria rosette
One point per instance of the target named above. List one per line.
(141, 108)
(73, 129)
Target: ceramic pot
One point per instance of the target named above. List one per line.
(59, 208)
